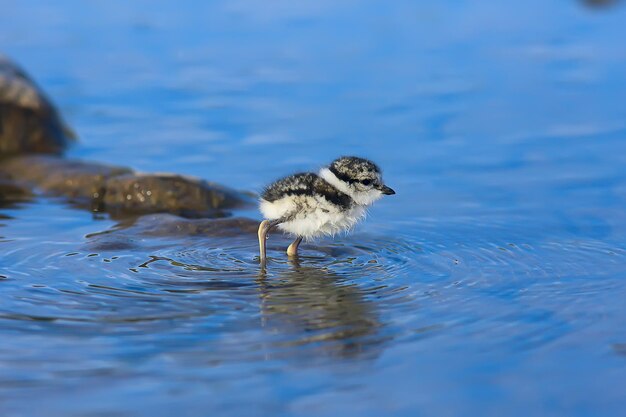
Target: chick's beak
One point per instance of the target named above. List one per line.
(386, 190)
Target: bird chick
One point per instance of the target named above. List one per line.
(308, 205)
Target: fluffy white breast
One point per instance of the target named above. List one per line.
(311, 216)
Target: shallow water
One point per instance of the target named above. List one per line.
(491, 284)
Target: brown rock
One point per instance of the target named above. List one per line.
(153, 193)
(29, 123)
(11, 191)
(80, 181)
(119, 191)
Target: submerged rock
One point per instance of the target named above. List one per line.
(119, 190)
(131, 232)
(29, 123)
(164, 225)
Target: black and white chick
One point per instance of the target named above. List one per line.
(310, 205)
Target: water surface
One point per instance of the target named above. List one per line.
(492, 283)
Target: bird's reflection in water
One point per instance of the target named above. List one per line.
(326, 312)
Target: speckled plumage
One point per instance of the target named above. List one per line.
(354, 169)
(306, 183)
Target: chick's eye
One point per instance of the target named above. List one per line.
(366, 182)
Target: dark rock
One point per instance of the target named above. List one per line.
(119, 191)
(12, 192)
(154, 193)
(79, 181)
(29, 123)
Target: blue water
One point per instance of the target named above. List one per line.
(493, 283)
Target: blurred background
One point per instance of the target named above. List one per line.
(501, 283)
(438, 94)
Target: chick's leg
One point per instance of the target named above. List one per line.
(292, 250)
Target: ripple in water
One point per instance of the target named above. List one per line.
(205, 299)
